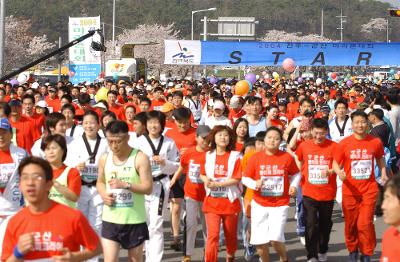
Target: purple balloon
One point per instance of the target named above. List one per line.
(14, 82)
(300, 80)
(251, 78)
(250, 86)
(213, 80)
(349, 83)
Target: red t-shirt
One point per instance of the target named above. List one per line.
(222, 205)
(278, 123)
(183, 140)
(316, 160)
(292, 109)
(192, 161)
(38, 122)
(54, 105)
(7, 167)
(117, 110)
(24, 129)
(74, 178)
(275, 171)
(157, 104)
(233, 115)
(57, 228)
(390, 245)
(357, 157)
(239, 146)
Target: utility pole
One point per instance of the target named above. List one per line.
(205, 39)
(387, 30)
(322, 23)
(342, 21)
(2, 34)
(113, 29)
(60, 58)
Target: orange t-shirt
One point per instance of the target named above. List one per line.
(24, 128)
(238, 146)
(183, 140)
(292, 109)
(157, 104)
(6, 169)
(275, 171)
(57, 228)
(317, 159)
(357, 157)
(220, 205)
(390, 245)
(117, 110)
(74, 178)
(278, 123)
(192, 161)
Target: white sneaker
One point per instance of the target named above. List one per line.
(303, 241)
(312, 260)
(322, 257)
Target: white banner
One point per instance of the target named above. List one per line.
(182, 52)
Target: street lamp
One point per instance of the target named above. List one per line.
(198, 11)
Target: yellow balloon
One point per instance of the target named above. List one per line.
(101, 94)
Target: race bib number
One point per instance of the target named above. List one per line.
(194, 173)
(122, 198)
(89, 173)
(220, 192)
(317, 174)
(361, 169)
(6, 170)
(272, 186)
(155, 168)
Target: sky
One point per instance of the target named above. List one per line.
(395, 3)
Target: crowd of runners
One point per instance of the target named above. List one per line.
(124, 153)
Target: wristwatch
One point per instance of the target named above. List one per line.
(128, 186)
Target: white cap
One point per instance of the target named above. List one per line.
(100, 105)
(171, 84)
(41, 103)
(235, 102)
(219, 105)
(35, 85)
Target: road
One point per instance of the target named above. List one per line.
(296, 251)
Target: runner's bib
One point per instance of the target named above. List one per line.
(272, 186)
(89, 173)
(220, 192)
(361, 169)
(317, 174)
(155, 168)
(194, 173)
(6, 170)
(123, 197)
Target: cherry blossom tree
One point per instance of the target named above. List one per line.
(282, 36)
(375, 29)
(21, 46)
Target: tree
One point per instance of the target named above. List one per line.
(154, 54)
(282, 36)
(374, 29)
(21, 46)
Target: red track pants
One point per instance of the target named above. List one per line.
(359, 225)
(230, 223)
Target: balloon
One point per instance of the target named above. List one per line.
(14, 82)
(71, 73)
(391, 71)
(266, 76)
(289, 65)
(115, 76)
(23, 78)
(333, 75)
(250, 86)
(264, 73)
(213, 80)
(242, 88)
(349, 83)
(275, 75)
(390, 78)
(397, 77)
(300, 80)
(318, 81)
(251, 77)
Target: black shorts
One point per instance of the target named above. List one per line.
(128, 236)
(177, 189)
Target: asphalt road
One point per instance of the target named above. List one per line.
(296, 251)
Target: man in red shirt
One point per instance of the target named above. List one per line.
(319, 188)
(391, 216)
(185, 137)
(356, 154)
(113, 106)
(22, 127)
(35, 233)
(28, 103)
(157, 101)
(54, 103)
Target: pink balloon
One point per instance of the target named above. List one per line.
(289, 65)
(333, 75)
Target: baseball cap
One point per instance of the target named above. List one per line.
(203, 130)
(325, 108)
(41, 103)
(15, 102)
(167, 107)
(52, 89)
(100, 105)
(35, 85)
(219, 105)
(5, 124)
(235, 102)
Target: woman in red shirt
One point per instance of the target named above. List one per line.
(241, 131)
(221, 204)
(274, 177)
(66, 180)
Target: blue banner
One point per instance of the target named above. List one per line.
(304, 54)
(80, 73)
